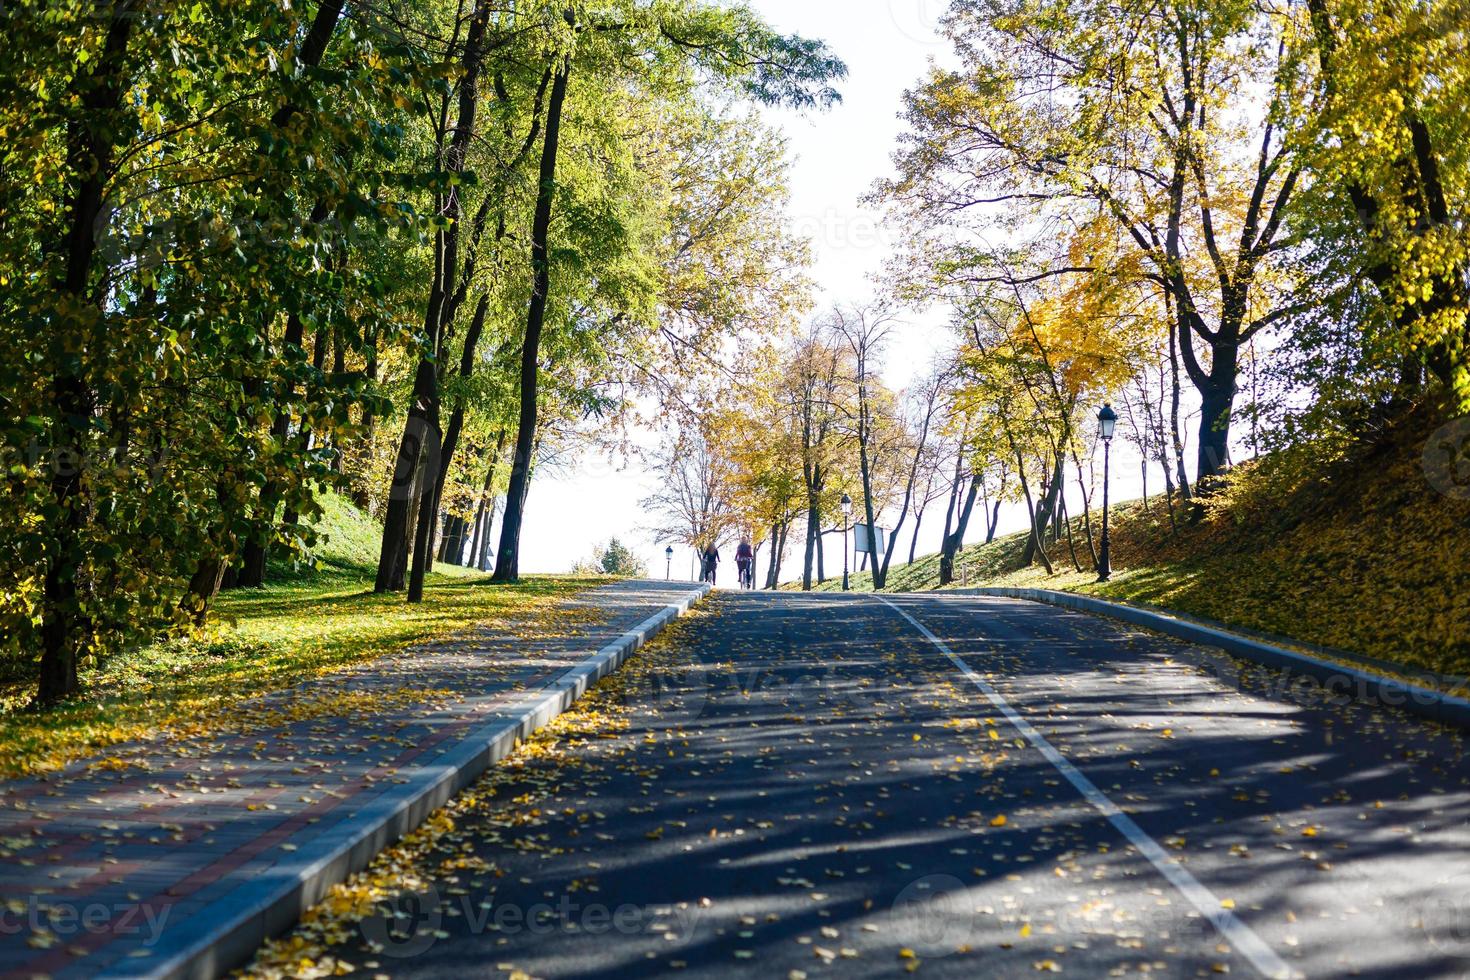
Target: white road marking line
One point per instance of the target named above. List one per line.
(1236, 933)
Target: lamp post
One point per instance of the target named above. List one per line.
(668, 562)
(1107, 421)
(846, 527)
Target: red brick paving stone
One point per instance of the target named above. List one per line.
(177, 847)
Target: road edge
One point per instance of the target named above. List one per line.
(1336, 677)
(265, 908)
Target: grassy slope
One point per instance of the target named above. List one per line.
(1364, 555)
(305, 623)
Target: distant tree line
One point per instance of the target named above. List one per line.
(1246, 225)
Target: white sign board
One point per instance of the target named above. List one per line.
(862, 540)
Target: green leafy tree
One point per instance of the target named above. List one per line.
(619, 560)
(160, 164)
(657, 49)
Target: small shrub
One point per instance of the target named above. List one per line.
(613, 559)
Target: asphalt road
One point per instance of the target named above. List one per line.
(955, 787)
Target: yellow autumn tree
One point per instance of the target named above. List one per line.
(1040, 358)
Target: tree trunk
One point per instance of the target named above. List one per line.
(1066, 521)
(1216, 387)
(421, 444)
(89, 154)
(776, 545)
(421, 430)
(865, 471)
(1060, 517)
(822, 555)
(423, 532)
(903, 512)
(204, 586)
(1217, 402)
(451, 543)
(410, 529)
(1175, 387)
(419, 440)
(951, 509)
(781, 552)
(472, 558)
(456, 416)
(1041, 517)
(1034, 545)
(210, 574)
(914, 541)
(954, 541)
(507, 562)
(444, 548)
(813, 535)
(1086, 508)
(432, 470)
(483, 561)
(482, 528)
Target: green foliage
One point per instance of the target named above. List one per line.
(218, 252)
(344, 544)
(618, 560)
(614, 559)
(162, 166)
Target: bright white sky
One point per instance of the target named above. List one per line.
(837, 156)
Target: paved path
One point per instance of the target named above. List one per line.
(811, 785)
(110, 867)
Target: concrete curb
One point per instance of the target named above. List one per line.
(1335, 677)
(212, 942)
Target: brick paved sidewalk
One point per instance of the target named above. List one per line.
(128, 867)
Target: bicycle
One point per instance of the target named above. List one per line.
(747, 574)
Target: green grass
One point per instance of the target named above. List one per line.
(348, 542)
(996, 564)
(1356, 553)
(303, 624)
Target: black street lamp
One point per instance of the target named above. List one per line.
(1107, 421)
(846, 527)
(668, 562)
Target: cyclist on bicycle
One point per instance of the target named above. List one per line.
(711, 558)
(745, 562)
